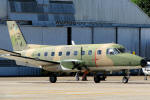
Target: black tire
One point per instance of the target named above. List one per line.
(103, 78)
(97, 79)
(53, 79)
(125, 80)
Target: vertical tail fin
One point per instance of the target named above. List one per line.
(16, 36)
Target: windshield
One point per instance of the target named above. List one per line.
(122, 50)
(113, 51)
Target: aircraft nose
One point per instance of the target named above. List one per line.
(143, 62)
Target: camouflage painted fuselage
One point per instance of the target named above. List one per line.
(93, 61)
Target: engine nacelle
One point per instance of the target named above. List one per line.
(71, 64)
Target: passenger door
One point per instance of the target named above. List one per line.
(88, 55)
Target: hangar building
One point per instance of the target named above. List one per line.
(57, 22)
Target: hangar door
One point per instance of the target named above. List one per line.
(104, 35)
(145, 42)
(82, 35)
(129, 37)
(45, 35)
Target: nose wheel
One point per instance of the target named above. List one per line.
(125, 79)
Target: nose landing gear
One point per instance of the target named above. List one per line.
(126, 77)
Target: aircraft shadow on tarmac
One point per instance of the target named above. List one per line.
(84, 82)
(46, 82)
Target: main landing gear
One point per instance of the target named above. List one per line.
(98, 78)
(145, 78)
(53, 78)
(84, 77)
(77, 76)
(126, 77)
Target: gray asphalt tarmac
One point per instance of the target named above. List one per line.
(66, 88)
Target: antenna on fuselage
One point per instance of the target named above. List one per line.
(73, 43)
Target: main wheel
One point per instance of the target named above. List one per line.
(97, 79)
(53, 79)
(125, 79)
(103, 78)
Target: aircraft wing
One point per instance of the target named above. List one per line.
(18, 57)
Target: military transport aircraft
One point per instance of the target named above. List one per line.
(71, 58)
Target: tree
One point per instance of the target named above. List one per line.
(144, 5)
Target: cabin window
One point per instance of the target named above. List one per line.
(83, 53)
(90, 52)
(99, 52)
(39, 54)
(75, 53)
(46, 54)
(68, 53)
(60, 54)
(52, 53)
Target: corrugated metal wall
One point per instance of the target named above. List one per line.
(47, 13)
(145, 42)
(129, 37)
(3, 9)
(55, 36)
(104, 35)
(82, 35)
(5, 42)
(111, 11)
(45, 35)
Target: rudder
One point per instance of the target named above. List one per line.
(16, 36)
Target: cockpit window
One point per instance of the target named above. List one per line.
(122, 50)
(113, 51)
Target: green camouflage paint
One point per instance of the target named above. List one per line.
(18, 42)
